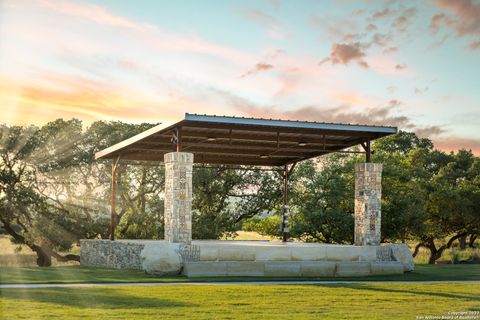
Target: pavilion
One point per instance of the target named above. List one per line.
(254, 142)
(238, 141)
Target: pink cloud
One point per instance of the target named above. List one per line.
(91, 12)
(259, 67)
(382, 13)
(463, 18)
(454, 143)
(401, 22)
(272, 25)
(343, 53)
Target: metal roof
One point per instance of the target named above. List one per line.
(243, 141)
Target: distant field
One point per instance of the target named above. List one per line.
(21, 255)
(236, 302)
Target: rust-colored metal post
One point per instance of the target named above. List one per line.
(368, 151)
(285, 230)
(113, 213)
(179, 139)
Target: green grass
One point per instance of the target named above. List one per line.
(78, 274)
(338, 301)
(366, 300)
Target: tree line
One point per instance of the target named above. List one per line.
(53, 193)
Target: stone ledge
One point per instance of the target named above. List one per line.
(386, 267)
(245, 268)
(312, 259)
(353, 269)
(290, 268)
(282, 268)
(273, 254)
(351, 253)
(205, 269)
(235, 254)
(317, 268)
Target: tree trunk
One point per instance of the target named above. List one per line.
(417, 249)
(44, 254)
(68, 257)
(471, 242)
(435, 253)
(463, 242)
(43, 258)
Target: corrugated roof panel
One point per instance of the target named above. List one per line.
(250, 141)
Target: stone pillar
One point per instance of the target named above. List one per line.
(368, 194)
(178, 197)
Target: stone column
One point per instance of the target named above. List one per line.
(368, 193)
(178, 197)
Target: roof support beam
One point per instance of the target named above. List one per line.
(259, 137)
(368, 150)
(237, 127)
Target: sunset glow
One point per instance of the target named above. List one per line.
(414, 65)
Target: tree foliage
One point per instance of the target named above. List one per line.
(53, 192)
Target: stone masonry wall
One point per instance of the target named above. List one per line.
(178, 197)
(124, 254)
(368, 193)
(111, 254)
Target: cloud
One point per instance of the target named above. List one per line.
(474, 45)
(453, 143)
(272, 25)
(381, 40)
(79, 97)
(77, 33)
(91, 12)
(391, 89)
(371, 27)
(259, 67)
(400, 66)
(344, 53)
(401, 22)
(382, 13)
(460, 16)
(335, 28)
(420, 90)
(429, 131)
(386, 115)
(394, 103)
(390, 50)
(436, 21)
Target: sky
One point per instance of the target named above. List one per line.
(410, 64)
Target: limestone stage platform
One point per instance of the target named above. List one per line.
(253, 258)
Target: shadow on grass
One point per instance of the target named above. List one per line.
(77, 274)
(366, 286)
(86, 298)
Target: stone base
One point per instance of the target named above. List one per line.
(256, 258)
(290, 268)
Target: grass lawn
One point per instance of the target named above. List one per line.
(78, 274)
(366, 300)
(337, 301)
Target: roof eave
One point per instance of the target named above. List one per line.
(105, 153)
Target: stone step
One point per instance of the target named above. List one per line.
(290, 268)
